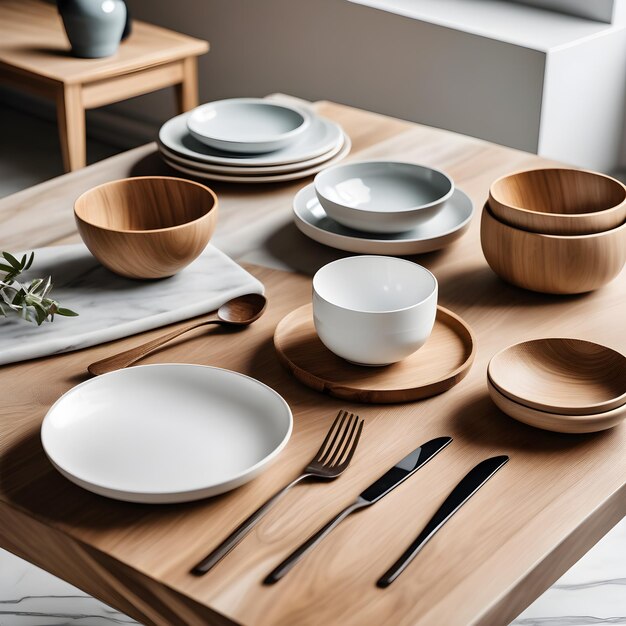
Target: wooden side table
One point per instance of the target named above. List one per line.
(34, 55)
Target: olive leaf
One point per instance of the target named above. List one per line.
(29, 300)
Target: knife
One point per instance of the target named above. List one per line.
(377, 490)
(466, 488)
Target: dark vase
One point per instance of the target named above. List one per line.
(128, 27)
(94, 27)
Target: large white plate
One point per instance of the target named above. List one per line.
(320, 137)
(277, 178)
(165, 433)
(251, 171)
(441, 230)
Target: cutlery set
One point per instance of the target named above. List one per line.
(330, 461)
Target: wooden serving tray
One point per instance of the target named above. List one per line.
(442, 362)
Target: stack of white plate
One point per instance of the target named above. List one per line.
(251, 140)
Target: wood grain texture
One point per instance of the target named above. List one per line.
(71, 122)
(560, 496)
(552, 263)
(556, 422)
(559, 201)
(442, 362)
(560, 375)
(147, 227)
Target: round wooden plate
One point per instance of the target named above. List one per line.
(438, 365)
(572, 424)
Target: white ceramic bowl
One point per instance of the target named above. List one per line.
(382, 196)
(247, 125)
(374, 310)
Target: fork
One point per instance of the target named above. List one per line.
(329, 462)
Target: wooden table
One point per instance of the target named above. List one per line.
(34, 55)
(557, 496)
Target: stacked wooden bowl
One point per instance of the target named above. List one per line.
(560, 231)
(559, 384)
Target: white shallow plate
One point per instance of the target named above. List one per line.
(438, 232)
(165, 433)
(276, 178)
(318, 138)
(251, 171)
(247, 125)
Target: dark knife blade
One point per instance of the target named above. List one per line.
(403, 469)
(464, 490)
(386, 483)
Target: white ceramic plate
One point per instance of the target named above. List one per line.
(345, 150)
(320, 137)
(247, 125)
(447, 226)
(165, 433)
(251, 171)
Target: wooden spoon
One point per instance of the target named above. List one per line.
(239, 311)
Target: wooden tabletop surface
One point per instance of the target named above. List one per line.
(33, 40)
(557, 496)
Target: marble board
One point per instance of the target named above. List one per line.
(111, 307)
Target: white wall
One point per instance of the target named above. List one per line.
(338, 50)
(584, 105)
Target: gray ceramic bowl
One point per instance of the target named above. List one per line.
(382, 196)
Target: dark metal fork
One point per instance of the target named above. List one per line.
(329, 462)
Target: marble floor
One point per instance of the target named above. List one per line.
(592, 593)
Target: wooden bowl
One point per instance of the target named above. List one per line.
(552, 263)
(559, 201)
(575, 424)
(559, 375)
(146, 227)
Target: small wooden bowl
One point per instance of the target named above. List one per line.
(559, 201)
(146, 227)
(559, 375)
(552, 263)
(558, 423)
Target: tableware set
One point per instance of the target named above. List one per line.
(251, 140)
(557, 231)
(373, 331)
(559, 384)
(383, 207)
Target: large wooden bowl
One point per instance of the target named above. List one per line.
(551, 263)
(146, 227)
(559, 201)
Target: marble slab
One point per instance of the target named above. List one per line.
(111, 307)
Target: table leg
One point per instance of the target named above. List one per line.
(71, 120)
(187, 90)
